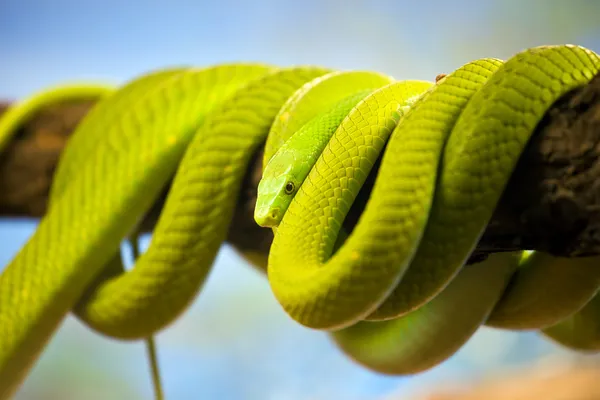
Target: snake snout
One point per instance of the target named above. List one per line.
(267, 218)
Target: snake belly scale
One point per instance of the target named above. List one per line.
(394, 293)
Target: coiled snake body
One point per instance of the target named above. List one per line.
(394, 293)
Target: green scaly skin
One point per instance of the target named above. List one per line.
(202, 125)
(394, 295)
(295, 159)
(12, 120)
(403, 263)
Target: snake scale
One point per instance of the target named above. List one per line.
(394, 294)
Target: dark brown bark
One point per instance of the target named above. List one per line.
(552, 202)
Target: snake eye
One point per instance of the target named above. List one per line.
(289, 187)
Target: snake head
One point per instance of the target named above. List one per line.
(276, 189)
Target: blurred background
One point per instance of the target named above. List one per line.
(235, 342)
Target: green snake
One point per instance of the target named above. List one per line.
(394, 293)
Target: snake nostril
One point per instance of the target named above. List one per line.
(267, 218)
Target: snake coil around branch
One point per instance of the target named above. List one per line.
(397, 294)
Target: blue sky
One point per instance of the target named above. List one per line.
(235, 341)
(46, 42)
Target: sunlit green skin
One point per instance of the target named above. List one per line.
(314, 98)
(419, 227)
(13, 118)
(289, 167)
(202, 126)
(311, 100)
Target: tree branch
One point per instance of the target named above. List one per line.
(551, 204)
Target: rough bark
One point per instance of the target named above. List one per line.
(552, 202)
